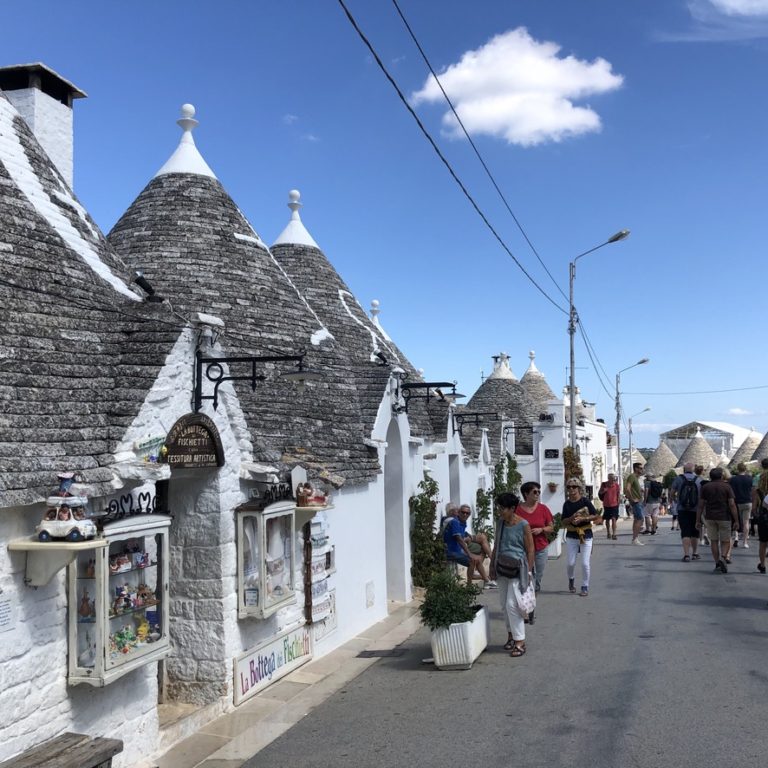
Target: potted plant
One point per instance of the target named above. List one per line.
(459, 625)
(552, 487)
(555, 546)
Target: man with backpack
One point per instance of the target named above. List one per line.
(685, 493)
(653, 491)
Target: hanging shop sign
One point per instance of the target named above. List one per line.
(193, 443)
(261, 666)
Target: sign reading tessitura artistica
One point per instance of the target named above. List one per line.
(194, 442)
(261, 666)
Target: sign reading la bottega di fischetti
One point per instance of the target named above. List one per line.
(194, 443)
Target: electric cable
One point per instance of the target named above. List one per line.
(442, 157)
(476, 150)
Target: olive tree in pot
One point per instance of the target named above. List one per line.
(459, 625)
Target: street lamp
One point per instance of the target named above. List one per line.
(630, 431)
(621, 235)
(618, 412)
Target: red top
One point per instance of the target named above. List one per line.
(610, 497)
(539, 517)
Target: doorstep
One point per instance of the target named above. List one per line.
(231, 739)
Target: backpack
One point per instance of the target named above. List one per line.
(688, 497)
(656, 489)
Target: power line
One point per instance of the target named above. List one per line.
(474, 147)
(442, 157)
(701, 391)
(594, 364)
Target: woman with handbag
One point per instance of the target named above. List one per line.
(512, 565)
(540, 519)
(578, 516)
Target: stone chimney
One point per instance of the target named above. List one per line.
(44, 99)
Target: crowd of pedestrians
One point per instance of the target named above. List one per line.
(721, 511)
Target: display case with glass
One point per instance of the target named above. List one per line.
(118, 601)
(266, 558)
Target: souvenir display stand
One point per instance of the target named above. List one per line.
(265, 558)
(118, 600)
(317, 554)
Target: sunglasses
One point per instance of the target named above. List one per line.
(534, 490)
(573, 486)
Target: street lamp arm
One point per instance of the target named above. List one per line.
(620, 235)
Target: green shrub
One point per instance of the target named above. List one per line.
(448, 600)
(427, 547)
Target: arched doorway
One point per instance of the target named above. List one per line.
(397, 538)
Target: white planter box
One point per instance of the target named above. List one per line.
(457, 646)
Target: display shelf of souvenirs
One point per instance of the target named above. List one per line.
(118, 597)
(313, 498)
(266, 543)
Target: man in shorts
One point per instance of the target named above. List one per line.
(466, 549)
(686, 505)
(609, 494)
(718, 504)
(653, 491)
(741, 483)
(634, 493)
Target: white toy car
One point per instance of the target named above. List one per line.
(65, 522)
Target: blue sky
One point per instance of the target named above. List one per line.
(593, 117)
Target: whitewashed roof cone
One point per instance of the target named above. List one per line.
(295, 233)
(535, 384)
(501, 369)
(186, 158)
(699, 451)
(661, 461)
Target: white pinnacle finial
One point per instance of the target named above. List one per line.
(531, 355)
(294, 203)
(186, 158)
(375, 308)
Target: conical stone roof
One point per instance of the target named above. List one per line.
(501, 393)
(661, 461)
(369, 351)
(68, 313)
(198, 250)
(535, 384)
(761, 452)
(699, 451)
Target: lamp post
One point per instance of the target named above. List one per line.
(629, 420)
(621, 235)
(618, 412)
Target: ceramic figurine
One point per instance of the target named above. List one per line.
(303, 494)
(86, 609)
(142, 630)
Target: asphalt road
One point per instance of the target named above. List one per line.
(664, 664)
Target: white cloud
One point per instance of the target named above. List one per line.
(290, 119)
(742, 7)
(521, 90)
(310, 137)
(738, 412)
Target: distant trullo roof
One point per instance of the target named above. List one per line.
(501, 392)
(761, 452)
(369, 351)
(662, 460)
(746, 450)
(535, 384)
(199, 251)
(699, 451)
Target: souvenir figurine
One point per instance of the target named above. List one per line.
(86, 609)
(303, 494)
(142, 630)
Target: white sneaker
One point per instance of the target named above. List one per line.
(491, 584)
(638, 542)
(745, 545)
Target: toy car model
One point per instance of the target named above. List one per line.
(65, 523)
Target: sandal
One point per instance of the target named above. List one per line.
(696, 557)
(686, 559)
(517, 651)
(509, 645)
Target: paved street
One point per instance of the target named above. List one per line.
(663, 664)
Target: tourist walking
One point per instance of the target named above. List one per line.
(542, 523)
(653, 491)
(513, 540)
(717, 504)
(634, 493)
(685, 496)
(760, 513)
(578, 516)
(609, 494)
(741, 483)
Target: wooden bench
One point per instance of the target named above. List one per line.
(70, 750)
